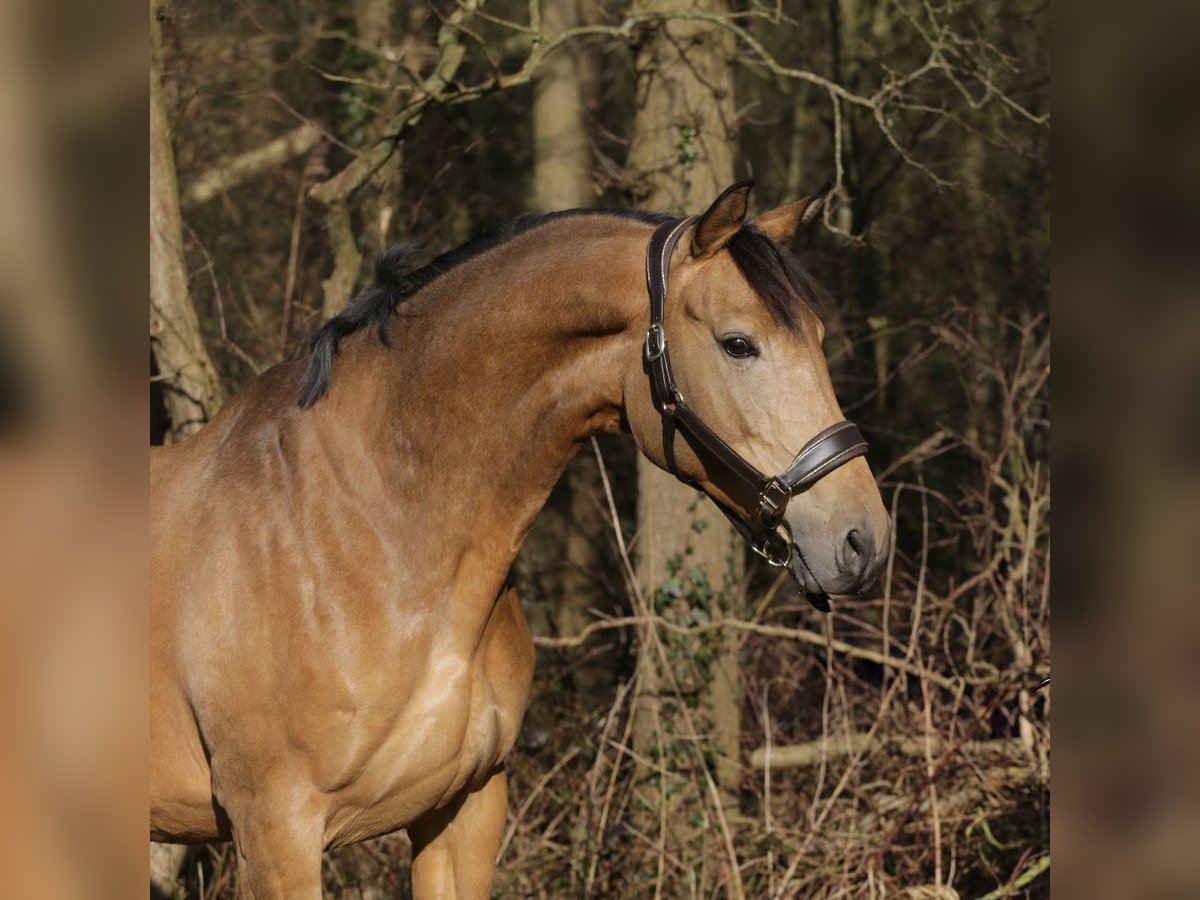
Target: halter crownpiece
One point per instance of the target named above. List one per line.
(764, 497)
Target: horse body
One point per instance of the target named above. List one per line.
(334, 652)
(322, 619)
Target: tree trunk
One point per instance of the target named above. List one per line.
(980, 427)
(980, 424)
(681, 157)
(192, 389)
(562, 179)
(562, 169)
(374, 21)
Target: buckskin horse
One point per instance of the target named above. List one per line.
(334, 652)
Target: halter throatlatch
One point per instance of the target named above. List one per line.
(764, 497)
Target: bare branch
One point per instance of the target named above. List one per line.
(244, 166)
(432, 89)
(795, 634)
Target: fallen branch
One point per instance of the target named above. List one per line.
(812, 753)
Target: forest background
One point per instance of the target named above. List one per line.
(894, 747)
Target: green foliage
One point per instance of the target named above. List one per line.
(358, 101)
(688, 148)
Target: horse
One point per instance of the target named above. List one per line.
(335, 651)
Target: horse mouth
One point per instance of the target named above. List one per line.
(816, 595)
(804, 579)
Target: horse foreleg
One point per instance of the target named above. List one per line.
(454, 848)
(278, 848)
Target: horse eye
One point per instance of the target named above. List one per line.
(738, 346)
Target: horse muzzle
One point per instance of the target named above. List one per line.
(847, 565)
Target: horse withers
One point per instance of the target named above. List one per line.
(334, 652)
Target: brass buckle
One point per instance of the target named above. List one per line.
(774, 548)
(770, 508)
(654, 349)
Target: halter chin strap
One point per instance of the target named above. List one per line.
(764, 497)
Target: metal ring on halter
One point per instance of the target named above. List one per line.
(774, 548)
(671, 403)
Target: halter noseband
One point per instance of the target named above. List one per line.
(765, 496)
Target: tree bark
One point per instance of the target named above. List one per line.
(347, 259)
(192, 389)
(681, 157)
(562, 170)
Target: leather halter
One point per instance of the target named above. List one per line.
(764, 497)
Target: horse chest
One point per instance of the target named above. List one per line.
(457, 726)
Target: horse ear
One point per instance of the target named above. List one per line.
(721, 221)
(781, 224)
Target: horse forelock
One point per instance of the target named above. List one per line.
(779, 279)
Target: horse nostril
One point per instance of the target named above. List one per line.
(855, 542)
(857, 553)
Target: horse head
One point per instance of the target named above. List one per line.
(747, 386)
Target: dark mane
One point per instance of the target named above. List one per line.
(775, 275)
(393, 285)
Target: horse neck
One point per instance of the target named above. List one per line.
(497, 372)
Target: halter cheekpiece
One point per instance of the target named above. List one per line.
(764, 497)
